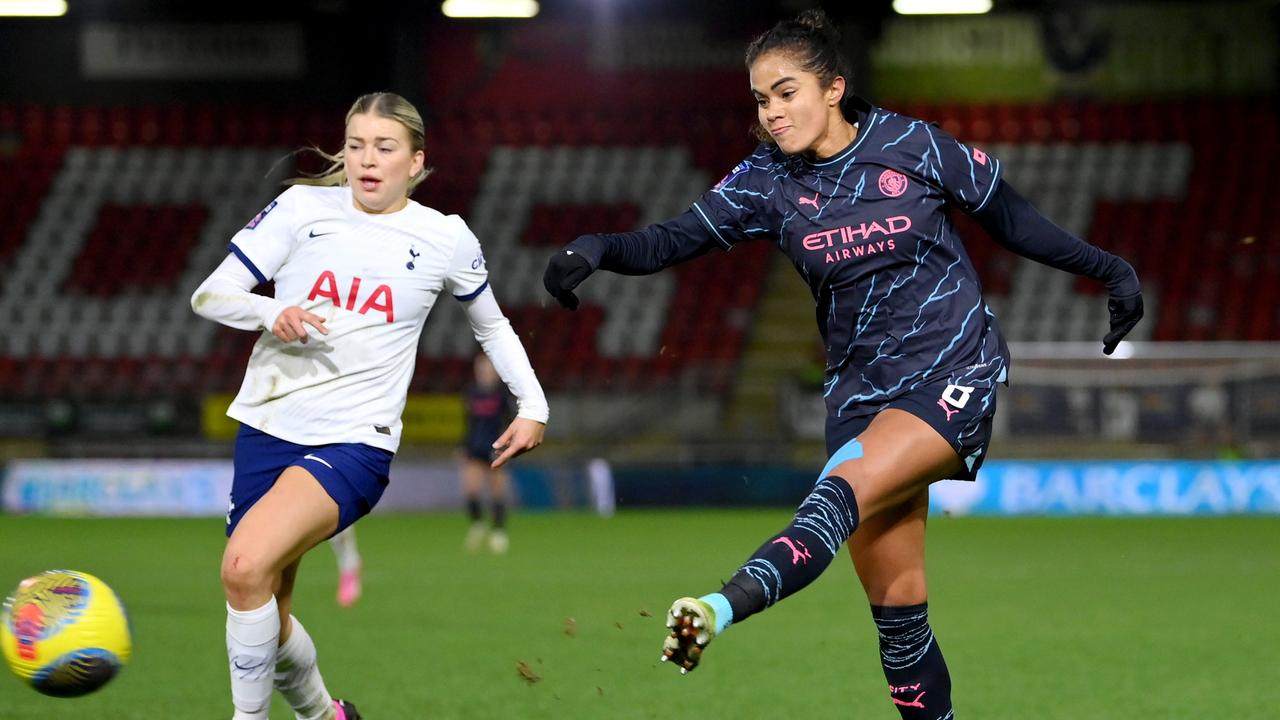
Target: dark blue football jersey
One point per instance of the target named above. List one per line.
(899, 304)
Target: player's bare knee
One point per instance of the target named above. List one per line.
(877, 487)
(863, 477)
(243, 576)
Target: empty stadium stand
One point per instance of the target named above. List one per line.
(112, 215)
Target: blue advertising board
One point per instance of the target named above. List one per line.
(1167, 487)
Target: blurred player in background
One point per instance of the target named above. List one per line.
(347, 553)
(857, 198)
(487, 406)
(357, 267)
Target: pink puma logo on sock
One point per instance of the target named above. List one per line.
(914, 703)
(796, 555)
(806, 201)
(947, 410)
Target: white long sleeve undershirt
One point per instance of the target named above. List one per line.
(225, 297)
(499, 341)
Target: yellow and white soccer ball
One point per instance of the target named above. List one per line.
(64, 633)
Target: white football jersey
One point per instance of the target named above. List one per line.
(373, 278)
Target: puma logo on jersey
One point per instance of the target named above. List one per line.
(807, 201)
(379, 300)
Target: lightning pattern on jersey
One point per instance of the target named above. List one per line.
(898, 302)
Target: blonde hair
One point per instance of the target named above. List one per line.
(383, 104)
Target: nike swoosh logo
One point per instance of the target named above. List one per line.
(314, 234)
(309, 456)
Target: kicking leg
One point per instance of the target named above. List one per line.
(782, 566)
(896, 457)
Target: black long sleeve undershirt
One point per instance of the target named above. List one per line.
(1010, 219)
(1014, 223)
(644, 252)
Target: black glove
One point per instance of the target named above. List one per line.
(1125, 313)
(565, 271)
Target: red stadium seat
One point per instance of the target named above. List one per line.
(1211, 255)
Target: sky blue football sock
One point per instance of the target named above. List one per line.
(724, 612)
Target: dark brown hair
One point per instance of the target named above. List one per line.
(813, 42)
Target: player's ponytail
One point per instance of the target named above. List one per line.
(388, 105)
(813, 42)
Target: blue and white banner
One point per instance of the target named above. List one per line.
(117, 487)
(178, 488)
(1114, 488)
(1055, 488)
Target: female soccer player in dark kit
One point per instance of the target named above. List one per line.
(857, 196)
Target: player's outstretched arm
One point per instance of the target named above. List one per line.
(565, 271)
(642, 252)
(1014, 222)
(499, 341)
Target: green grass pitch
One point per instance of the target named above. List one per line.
(1039, 618)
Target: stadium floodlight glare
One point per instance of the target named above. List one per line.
(941, 7)
(33, 8)
(490, 8)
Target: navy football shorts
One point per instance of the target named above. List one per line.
(354, 474)
(961, 414)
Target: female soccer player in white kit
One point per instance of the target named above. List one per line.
(357, 267)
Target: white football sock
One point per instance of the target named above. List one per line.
(344, 547)
(298, 677)
(252, 639)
